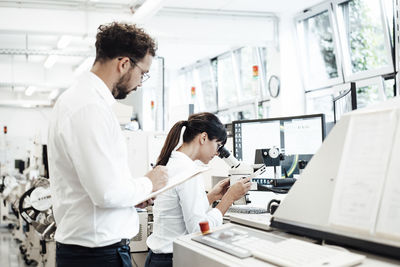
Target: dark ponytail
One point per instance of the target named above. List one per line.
(196, 124)
(170, 143)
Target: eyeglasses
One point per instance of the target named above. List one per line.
(145, 75)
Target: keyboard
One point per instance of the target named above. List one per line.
(293, 252)
(247, 209)
(275, 249)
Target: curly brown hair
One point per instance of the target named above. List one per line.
(123, 40)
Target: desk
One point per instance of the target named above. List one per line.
(191, 253)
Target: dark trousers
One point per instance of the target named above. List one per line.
(158, 260)
(115, 255)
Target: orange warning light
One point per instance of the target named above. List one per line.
(255, 71)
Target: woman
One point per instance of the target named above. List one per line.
(178, 211)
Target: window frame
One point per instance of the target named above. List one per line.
(348, 75)
(299, 21)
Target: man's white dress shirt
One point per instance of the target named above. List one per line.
(92, 189)
(178, 211)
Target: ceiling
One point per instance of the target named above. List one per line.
(45, 44)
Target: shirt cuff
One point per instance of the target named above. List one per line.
(216, 217)
(147, 184)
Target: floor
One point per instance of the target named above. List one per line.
(9, 250)
(11, 257)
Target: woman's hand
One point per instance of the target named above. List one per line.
(239, 189)
(236, 191)
(146, 203)
(218, 190)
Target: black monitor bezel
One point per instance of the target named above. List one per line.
(320, 115)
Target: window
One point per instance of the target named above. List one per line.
(370, 91)
(249, 82)
(367, 95)
(389, 87)
(362, 53)
(227, 85)
(364, 38)
(319, 59)
(244, 112)
(227, 81)
(206, 91)
(389, 8)
(321, 101)
(263, 110)
(153, 108)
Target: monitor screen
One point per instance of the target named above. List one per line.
(20, 165)
(297, 137)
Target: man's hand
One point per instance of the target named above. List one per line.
(145, 204)
(158, 176)
(218, 190)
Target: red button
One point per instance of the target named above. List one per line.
(204, 227)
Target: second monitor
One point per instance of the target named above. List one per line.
(298, 137)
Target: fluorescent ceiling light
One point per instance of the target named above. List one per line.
(50, 61)
(64, 41)
(90, 40)
(30, 90)
(84, 66)
(53, 94)
(147, 10)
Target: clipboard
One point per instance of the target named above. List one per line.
(174, 181)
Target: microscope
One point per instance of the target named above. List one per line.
(270, 157)
(239, 170)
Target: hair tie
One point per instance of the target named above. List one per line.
(185, 123)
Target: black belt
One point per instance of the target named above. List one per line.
(160, 255)
(123, 242)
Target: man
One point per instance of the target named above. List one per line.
(92, 189)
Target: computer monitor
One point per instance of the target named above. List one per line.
(345, 102)
(20, 165)
(298, 137)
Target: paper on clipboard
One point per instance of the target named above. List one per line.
(174, 181)
(362, 171)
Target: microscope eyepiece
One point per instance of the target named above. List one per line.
(223, 152)
(228, 158)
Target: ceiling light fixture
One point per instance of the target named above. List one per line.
(30, 90)
(64, 41)
(147, 10)
(84, 66)
(53, 94)
(50, 61)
